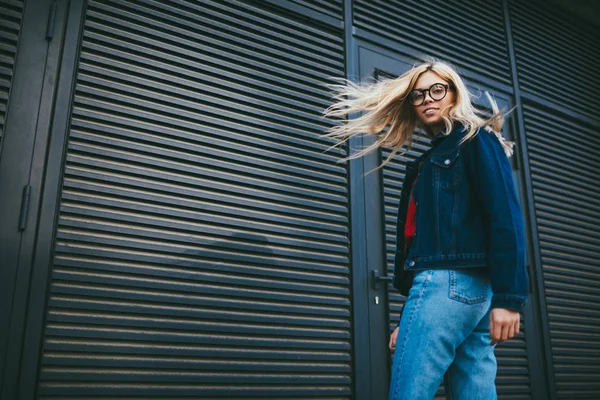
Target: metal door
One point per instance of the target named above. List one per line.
(30, 41)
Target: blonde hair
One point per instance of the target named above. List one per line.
(385, 103)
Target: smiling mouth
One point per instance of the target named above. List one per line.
(429, 111)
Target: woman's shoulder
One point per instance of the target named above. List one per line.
(485, 139)
(480, 133)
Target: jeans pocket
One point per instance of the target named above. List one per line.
(469, 285)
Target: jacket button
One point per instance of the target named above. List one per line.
(411, 264)
(447, 162)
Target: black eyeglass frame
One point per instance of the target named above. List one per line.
(422, 91)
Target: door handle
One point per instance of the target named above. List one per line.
(377, 279)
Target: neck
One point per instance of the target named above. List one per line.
(436, 129)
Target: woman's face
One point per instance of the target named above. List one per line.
(429, 110)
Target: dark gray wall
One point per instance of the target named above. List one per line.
(191, 236)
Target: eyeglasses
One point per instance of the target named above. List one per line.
(437, 91)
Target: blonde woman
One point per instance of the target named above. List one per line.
(460, 251)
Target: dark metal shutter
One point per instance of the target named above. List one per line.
(468, 34)
(564, 163)
(11, 14)
(333, 8)
(557, 57)
(202, 247)
(557, 62)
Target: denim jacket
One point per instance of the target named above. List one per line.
(468, 215)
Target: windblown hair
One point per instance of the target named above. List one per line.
(385, 103)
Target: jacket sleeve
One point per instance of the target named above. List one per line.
(494, 189)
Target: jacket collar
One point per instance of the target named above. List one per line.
(437, 139)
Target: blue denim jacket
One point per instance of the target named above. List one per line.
(468, 215)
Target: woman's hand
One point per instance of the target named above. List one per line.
(392, 344)
(504, 324)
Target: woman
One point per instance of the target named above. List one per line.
(460, 254)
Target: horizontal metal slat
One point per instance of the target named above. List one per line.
(208, 248)
(546, 43)
(173, 232)
(11, 14)
(254, 329)
(274, 64)
(532, 16)
(544, 194)
(199, 277)
(269, 54)
(90, 155)
(182, 256)
(70, 281)
(568, 267)
(7, 37)
(406, 14)
(202, 208)
(177, 299)
(132, 243)
(125, 104)
(582, 193)
(333, 8)
(110, 78)
(73, 303)
(158, 336)
(98, 109)
(182, 268)
(315, 33)
(12, 11)
(578, 143)
(195, 64)
(479, 60)
(98, 133)
(198, 377)
(72, 348)
(217, 390)
(229, 161)
(540, 72)
(234, 30)
(573, 160)
(576, 238)
(114, 81)
(555, 205)
(268, 144)
(130, 212)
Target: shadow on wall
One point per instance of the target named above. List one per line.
(230, 270)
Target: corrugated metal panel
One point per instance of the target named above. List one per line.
(11, 14)
(557, 57)
(202, 247)
(512, 380)
(333, 8)
(469, 34)
(564, 163)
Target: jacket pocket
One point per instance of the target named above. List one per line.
(469, 285)
(445, 169)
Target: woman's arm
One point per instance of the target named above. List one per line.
(495, 190)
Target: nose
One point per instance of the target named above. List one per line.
(428, 98)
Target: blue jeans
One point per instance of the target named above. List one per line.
(445, 329)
